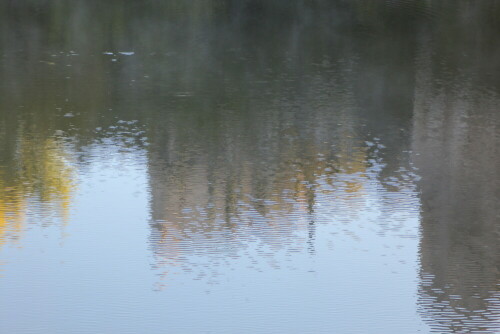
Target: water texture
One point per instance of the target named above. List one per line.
(249, 166)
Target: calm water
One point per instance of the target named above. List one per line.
(249, 166)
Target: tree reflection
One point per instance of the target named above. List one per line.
(40, 182)
(254, 112)
(455, 142)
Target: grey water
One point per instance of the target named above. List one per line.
(249, 166)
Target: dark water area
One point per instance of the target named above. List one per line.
(249, 166)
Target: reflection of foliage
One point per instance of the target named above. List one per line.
(42, 174)
(12, 205)
(195, 61)
(45, 170)
(232, 199)
(459, 245)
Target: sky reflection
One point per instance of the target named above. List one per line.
(259, 167)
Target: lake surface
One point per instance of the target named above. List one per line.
(249, 166)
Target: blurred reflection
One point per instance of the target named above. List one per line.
(36, 180)
(221, 201)
(232, 193)
(456, 129)
(255, 151)
(264, 121)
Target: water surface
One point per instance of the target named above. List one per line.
(249, 167)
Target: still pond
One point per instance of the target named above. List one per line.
(249, 166)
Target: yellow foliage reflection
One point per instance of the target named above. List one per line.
(40, 181)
